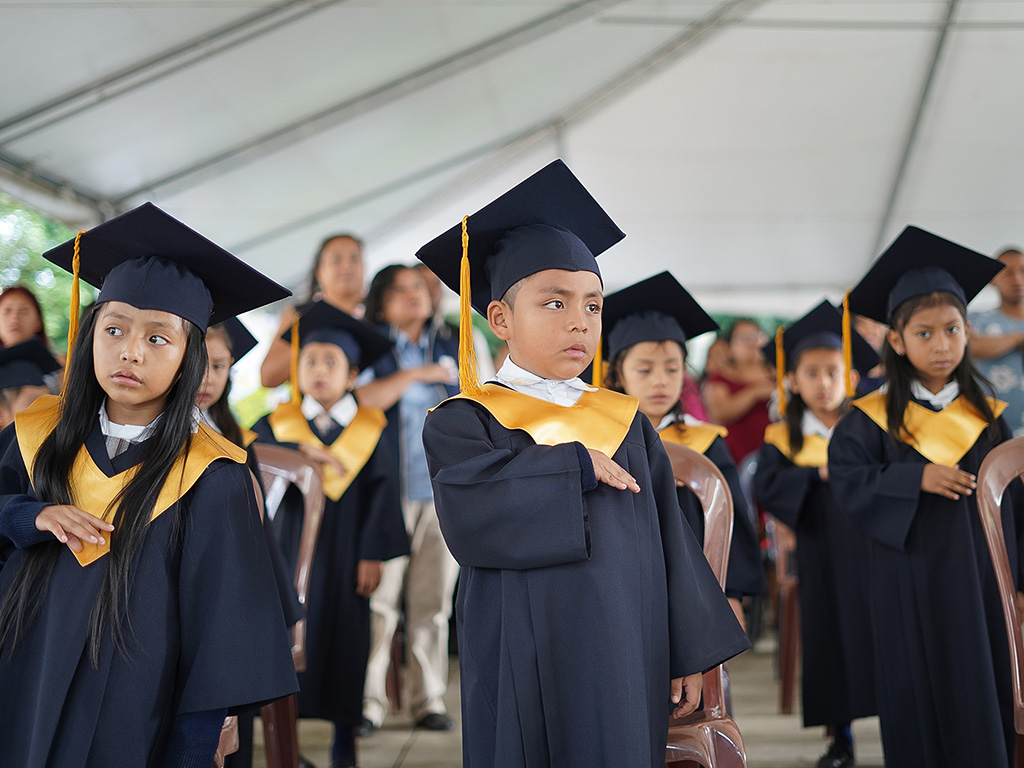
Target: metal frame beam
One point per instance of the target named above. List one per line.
(162, 65)
(914, 129)
(374, 98)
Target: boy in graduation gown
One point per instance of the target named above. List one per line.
(941, 652)
(362, 523)
(660, 310)
(838, 679)
(586, 610)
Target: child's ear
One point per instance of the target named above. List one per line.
(791, 383)
(855, 378)
(353, 374)
(499, 316)
(895, 341)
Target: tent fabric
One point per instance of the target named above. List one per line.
(764, 151)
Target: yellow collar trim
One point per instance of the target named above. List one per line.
(599, 419)
(814, 452)
(942, 437)
(94, 492)
(353, 447)
(697, 437)
(248, 436)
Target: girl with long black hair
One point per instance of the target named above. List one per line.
(137, 605)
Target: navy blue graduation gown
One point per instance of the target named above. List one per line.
(745, 574)
(941, 652)
(574, 609)
(366, 523)
(208, 632)
(838, 680)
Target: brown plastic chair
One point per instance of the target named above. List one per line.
(709, 737)
(789, 618)
(1003, 465)
(281, 467)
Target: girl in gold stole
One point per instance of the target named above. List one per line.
(136, 597)
(792, 484)
(362, 523)
(646, 327)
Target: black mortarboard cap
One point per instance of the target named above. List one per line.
(918, 263)
(822, 328)
(655, 309)
(548, 221)
(25, 364)
(149, 259)
(242, 342)
(324, 323)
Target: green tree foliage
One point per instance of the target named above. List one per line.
(25, 235)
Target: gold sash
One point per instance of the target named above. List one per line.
(599, 420)
(352, 448)
(697, 437)
(942, 437)
(814, 452)
(248, 436)
(93, 491)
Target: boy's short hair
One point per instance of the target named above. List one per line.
(510, 295)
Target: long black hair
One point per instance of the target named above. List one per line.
(52, 481)
(899, 372)
(314, 285)
(220, 411)
(382, 282)
(796, 408)
(613, 381)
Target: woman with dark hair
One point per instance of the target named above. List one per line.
(418, 373)
(737, 397)
(21, 317)
(129, 631)
(337, 278)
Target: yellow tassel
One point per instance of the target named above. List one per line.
(469, 379)
(780, 369)
(851, 390)
(597, 374)
(76, 263)
(296, 395)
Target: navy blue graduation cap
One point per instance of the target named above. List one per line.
(324, 323)
(655, 309)
(915, 264)
(242, 342)
(548, 221)
(25, 364)
(149, 259)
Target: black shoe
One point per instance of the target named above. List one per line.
(435, 721)
(304, 763)
(839, 755)
(365, 728)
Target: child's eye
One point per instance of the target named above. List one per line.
(219, 367)
(642, 371)
(594, 309)
(924, 334)
(112, 331)
(555, 304)
(954, 329)
(158, 340)
(331, 363)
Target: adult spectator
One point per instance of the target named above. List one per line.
(997, 339)
(337, 278)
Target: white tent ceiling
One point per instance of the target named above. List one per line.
(762, 150)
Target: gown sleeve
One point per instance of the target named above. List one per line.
(880, 495)
(18, 506)
(382, 534)
(746, 574)
(500, 508)
(781, 486)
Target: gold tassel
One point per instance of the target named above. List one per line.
(597, 373)
(469, 379)
(851, 391)
(76, 263)
(780, 369)
(296, 395)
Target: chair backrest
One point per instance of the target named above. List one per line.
(702, 477)
(1003, 465)
(279, 468)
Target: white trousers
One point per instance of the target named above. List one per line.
(428, 577)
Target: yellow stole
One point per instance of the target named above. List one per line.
(599, 420)
(93, 492)
(942, 437)
(697, 437)
(248, 436)
(353, 447)
(814, 452)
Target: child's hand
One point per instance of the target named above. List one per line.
(367, 577)
(437, 373)
(325, 457)
(72, 526)
(823, 473)
(947, 481)
(608, 472)
(691, 685)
